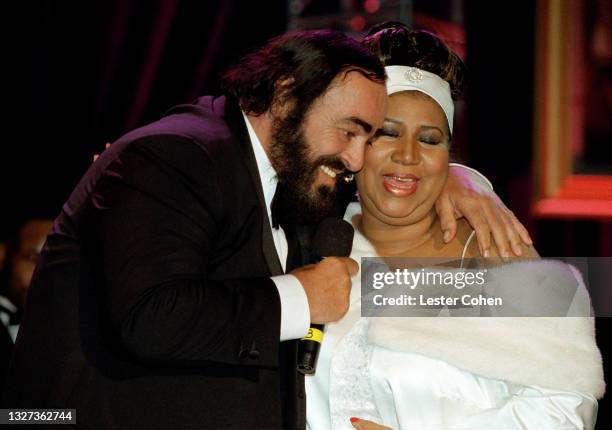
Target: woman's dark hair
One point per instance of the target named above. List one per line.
(307, 60)
(397, 45)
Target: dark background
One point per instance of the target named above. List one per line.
(82, 73)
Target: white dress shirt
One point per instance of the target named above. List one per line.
(295, 312)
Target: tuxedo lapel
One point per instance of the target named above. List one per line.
(234, 118)
(292, 382)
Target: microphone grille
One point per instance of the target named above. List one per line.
(334, 237)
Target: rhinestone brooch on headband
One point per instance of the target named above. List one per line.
(413, 74)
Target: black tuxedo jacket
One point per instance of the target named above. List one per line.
(152, 305)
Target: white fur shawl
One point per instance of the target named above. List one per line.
(551, 352)
(557, 353)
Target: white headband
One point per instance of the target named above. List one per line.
(404, 78)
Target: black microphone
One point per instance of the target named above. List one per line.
(333, 238)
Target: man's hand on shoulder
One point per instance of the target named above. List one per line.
(468, 195)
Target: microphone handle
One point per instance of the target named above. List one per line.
(308, 349)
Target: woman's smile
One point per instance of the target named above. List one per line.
(400, 184)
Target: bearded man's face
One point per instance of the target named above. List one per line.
(308, 198)
(311, 152)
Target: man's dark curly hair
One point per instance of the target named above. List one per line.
(306, 62)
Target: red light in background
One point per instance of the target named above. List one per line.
(358, 23)
(371, 6)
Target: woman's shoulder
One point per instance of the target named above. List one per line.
(466, 236)
(463, 245)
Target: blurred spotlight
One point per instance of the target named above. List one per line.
(371, 6)
(358, 23)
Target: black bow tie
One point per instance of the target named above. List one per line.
(280, 219)
(279, 207)
(14, 317)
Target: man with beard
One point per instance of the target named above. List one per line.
(160, 299)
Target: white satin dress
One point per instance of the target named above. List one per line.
(406, 390)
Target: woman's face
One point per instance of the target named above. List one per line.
(406, 167)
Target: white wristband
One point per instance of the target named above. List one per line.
(480, 175)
